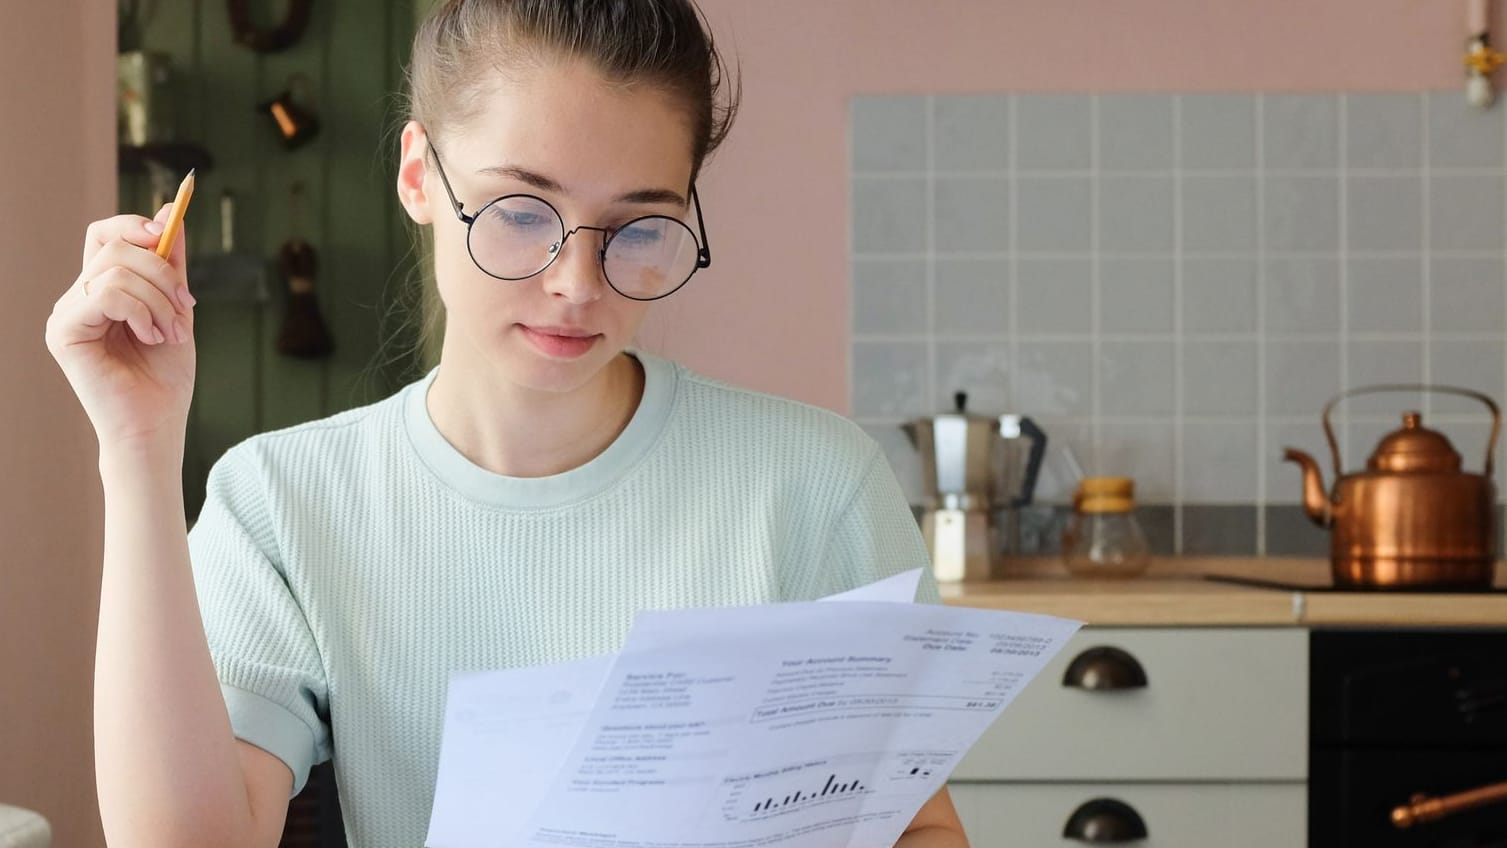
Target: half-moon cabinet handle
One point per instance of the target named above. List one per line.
(1104, 668)
(1104, 820)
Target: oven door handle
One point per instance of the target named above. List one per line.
(1423, 808)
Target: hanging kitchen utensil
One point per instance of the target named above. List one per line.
(1413, 519)
(291, 115)
(303, 332)
(286, 34)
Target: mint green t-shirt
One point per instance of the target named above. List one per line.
(345, 567)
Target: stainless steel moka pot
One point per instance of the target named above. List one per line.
(969, 468)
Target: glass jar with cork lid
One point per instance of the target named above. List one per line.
(1104, 539)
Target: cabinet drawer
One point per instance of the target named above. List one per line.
(1218, 704)
(1231, 815)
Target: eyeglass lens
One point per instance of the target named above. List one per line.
(518, 236)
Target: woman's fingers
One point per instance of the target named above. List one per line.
(131, 228)
(118, 304)
(119, 293)
(80, 321)
(145, 265)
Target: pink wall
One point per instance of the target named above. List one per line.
(773, 311)
(59, 158)
(772, 314)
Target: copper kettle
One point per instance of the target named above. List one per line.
(1413, 519)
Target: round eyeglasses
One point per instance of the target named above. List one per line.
(517, 236)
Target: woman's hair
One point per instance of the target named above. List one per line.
(463, 44)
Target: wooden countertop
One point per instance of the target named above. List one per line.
(1176, 591)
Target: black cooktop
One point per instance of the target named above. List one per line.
(1325, 586)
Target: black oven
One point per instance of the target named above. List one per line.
(1402, 712)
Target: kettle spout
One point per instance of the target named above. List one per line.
(1315, 500)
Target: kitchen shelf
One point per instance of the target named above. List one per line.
(230, 278)
(178, 156)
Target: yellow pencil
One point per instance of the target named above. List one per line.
(174, 223)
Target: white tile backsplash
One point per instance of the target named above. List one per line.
(1175, 284)
(972, 297)
(1384, 130)
(1136, 132)
(1300, 131)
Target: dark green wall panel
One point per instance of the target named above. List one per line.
(351, 58)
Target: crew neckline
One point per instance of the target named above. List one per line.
(534, 493)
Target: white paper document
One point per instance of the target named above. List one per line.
(794, 725)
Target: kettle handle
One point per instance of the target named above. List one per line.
(1491, 443)
(1019, 425)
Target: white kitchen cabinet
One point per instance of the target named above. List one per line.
(1256, 815)
(1218, 704)
(1211, 750)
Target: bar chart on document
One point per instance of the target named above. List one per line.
(769, 793)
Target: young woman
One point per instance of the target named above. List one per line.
(516, 506)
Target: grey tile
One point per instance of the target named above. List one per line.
(1219, 213)
(1372, 363)
(1220, 378)
(1467, 294)
(1302, 213)
(1217, 131)
(889, 296)
(889, 132)
(1465, 213)
(889, 379)
(1301, 376)
(1136, 295)
(1384, 213)
(1159, 523)
(1135, 132)
(1054, 296)
(1461, 135)
(1066, 437)
(1219, 460)
(1302, 294)
(973, 213)
(889, 215)
(1473, 365)
(1054, 378)
(1135, 213)
(1136, 378)
(1385, 293)
(1290, 533)
(1384, 130)
(982, 369)
(973, 296)
(1300, 130)
(1053, 132)
(1054, 214)
(902, 458)
(971, 132)
(1219, 530)
(1140, 448)
(1284, 480)
(1219, 295)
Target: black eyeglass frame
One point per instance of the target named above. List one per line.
(703, 250)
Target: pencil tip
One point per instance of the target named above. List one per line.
(191, 171)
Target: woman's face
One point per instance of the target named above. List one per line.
(601, 154)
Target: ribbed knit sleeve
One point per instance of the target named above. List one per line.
(265, 655)
(877, 536)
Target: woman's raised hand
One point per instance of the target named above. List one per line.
(123, 333)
